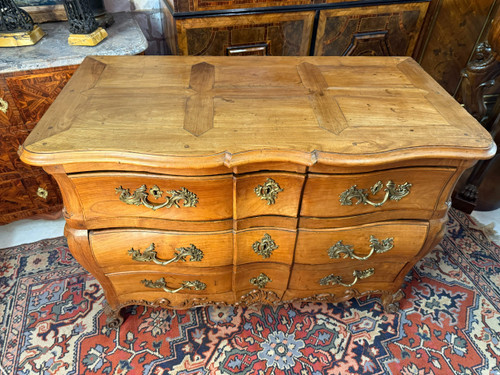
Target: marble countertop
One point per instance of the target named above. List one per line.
(124, 38)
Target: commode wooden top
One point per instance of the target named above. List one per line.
(207, 112)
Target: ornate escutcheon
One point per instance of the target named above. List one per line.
(392, 192)
(42, 193)
(376, 246)
(260, 281)
(269, 191)
(265, 247)
(337, 280)
(149, 255)
(162, 284)
(140, 196)
(4, 106)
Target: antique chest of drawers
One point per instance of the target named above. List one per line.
(197, 180)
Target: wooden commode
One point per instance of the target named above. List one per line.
(197, 180)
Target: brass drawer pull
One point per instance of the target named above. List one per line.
(265, 247)
(162, 284)
(337, 280)
(392, 192)
(269, 191)
(4, 106)
(140, 196)
(149, 255)
(260, 281)
(376, 246)
(42, 193)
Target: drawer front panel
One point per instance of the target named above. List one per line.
(265, 245)
(308, 277)
(354, 246)
(390, 30)
(133, 249)
(262, 276)
(268, 194)
(117, 195)
(217, 280)
(274, 34)
(337, 195)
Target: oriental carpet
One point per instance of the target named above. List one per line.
(51, 322)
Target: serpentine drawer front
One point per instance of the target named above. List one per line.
(190, 181)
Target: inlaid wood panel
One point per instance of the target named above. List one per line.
(13, 195)
(280, 34)
(385, 30)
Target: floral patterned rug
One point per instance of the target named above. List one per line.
(51, 322)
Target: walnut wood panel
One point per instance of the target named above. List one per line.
(217, 280)
(455, 29)
(99, 198)
(284, 201)
(322, 193)
(280, 34)
(13, 195)
(282, 243)
(111, 249)
(313, 246)
(390, 30)
(307, 277)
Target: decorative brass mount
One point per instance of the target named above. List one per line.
(337, 280)
(265, 247)
(140, 196)
(4, 106)
(376, 246)
(149, 255)
(162, 284)
(269, 191)
(260, 281)
(42, 193)
(392, 192)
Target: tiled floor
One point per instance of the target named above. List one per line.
(26, 231)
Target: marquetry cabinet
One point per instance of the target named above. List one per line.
(26, 191)
(253, 179)
(293, 27)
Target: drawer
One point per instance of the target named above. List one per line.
(349, 195)
(391, 241)
(121, 195)
(265, 245)
(273, 34)
(269, 276)
(268, 194)
(207, 281)
(136, 249)
(319, 277)
(381, 30)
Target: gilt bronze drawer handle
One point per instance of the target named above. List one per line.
(376, 246)
(162, 284)
(269, 191)
(260, 281)
(42, 193)
(337, 280)
(4, 106)
(140, 196)
(149, 255)
(265, 247)
(392, 192)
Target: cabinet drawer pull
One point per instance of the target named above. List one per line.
(392, 192)
(42, 193)
(265, 247)
(149, 255)
(4, 106)
(376, 246)
(140, 196)
(260, 281)
(337, 280)
(269, 191)
(162, 284)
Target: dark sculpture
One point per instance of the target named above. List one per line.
(80, 17)
(13, 19)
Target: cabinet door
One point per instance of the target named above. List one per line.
(276, 34)
(389, 30)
